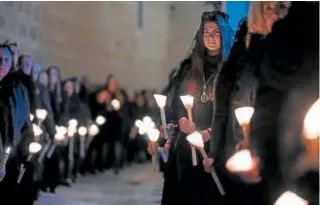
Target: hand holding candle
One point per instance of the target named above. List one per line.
(34, 148)
(290, 198)
(187, 101)
(196, 140)
(153, 137)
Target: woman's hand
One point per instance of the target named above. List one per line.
(185, 126)
(208, 164)
(153, 148)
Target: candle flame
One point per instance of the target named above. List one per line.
(34, 147)
(82, 131)
(100, 120)
(240, 162)
(161, 100)
(93, 130)
(8, 150)
(41, 114)
(196, 139)
(312, 121)
(244, 114)
(153, 135)
(291, 198)
(37, 130)
(187, 100)
(115, 104)
(73, 123)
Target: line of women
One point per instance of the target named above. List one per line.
(270, 65)
(52, 130)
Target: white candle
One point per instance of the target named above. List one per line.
(5, 158)
(187, 101)
(82, 132)
(161, 101)
(153, 137)
(196, 140)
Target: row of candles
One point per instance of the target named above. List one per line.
(241, 161)
(61, 132)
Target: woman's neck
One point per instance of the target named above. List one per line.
(213, 53)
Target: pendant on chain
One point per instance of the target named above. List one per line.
(204, 97)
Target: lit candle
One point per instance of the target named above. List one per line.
(196, 140)
(161, 101)
(187, 101)
(31, 117)
(241, 161)
(309, 160)
(115, 104)
(153, 137)
(243, 115)
(82, 131)
(100, 120)
(291, 198)
(73, 123)
(59, 137)
(41, 115)
(34, 148)
(37, 132)
(5, 158)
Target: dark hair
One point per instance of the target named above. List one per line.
(59, 84)
(20, 61)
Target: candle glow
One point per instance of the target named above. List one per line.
(37, 130)
(100, 120)
(82, 131)
(115, 104)
(244, 114)
(187, 100)
(73, 123)
(196, 139)
(161, 100)
(153, 135)
(34, 147)
(312, 122)
(241, 161)
(93, 130)
(41, 114)
(289, 197)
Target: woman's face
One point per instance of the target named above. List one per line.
(5, 62)
(16, 53)
(27, 65)
(68, 87)
(212, 37)
(35, 72)
(113, 85)
(43, 79)
(140, 100)
(274, 11)
(77, 87)
(54, 76)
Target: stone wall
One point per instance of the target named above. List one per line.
(21, 21)
(98, 38)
